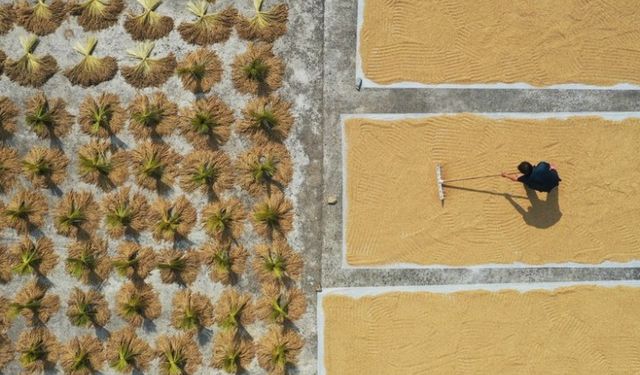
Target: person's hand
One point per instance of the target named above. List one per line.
(504, 174)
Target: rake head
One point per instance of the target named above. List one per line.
(440, 182)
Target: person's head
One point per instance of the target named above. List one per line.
(525, 168)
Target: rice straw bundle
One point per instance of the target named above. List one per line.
(148, 72)
(87, 309)
(82, 355)
(262, 169)
(45, 167)
(76, 215)
(207, 122)
(208, 28)
(152, 116)
(266, 120)
(102, 116)
(29, 257)
(40, 18)
(34, 304)
(155, 165)
(9, 168)
(266, 25)
(8, 114)
(257, 71)
(48, 118)
(278, 349)
(207, 171)
(102, 164)
(124, 212)
(30, 69)
(126, 352)
(134, 261)
(96, 15)
(149, 24)
(277, 264)
(273, 216)
(7, 18)
(37, 351)
(191, 311)
(25, 211)
(224, 220)
(226, 260)
(178, 354)
(231, 353)
(172, 220)
(178, 266)
(6, 349)
(88, 261)
(234, 310)
(91, 70)
(136, 303)
(200, 71)
(280, 305)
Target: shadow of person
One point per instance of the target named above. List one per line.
(541, 214)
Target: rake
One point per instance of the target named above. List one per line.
(441, 182)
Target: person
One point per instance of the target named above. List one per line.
(541, 177)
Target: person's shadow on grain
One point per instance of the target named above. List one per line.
(541, 214)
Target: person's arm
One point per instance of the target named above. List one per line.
(512, 176)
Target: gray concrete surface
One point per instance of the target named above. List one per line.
(340, 97)
(300, 48)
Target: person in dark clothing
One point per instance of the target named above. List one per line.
(541, 177)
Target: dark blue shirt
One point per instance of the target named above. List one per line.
(542, 178)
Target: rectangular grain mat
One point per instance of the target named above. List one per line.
(579, 329)
(393, 217)
(488, 43)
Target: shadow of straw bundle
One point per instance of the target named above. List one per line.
(265, 25)
(148, 24)
(96, 15)
(40, 18)
(30, 69)
(148, 72)
(91, 70)
(208, 28)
